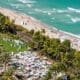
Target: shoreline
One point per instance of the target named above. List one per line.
(30, 23)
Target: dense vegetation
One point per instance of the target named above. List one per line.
(10, 42)
(9, 39)
(65, 59)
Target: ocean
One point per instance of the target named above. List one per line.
(62, 14)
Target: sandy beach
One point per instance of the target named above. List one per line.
(30, 23)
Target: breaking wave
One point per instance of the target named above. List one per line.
(76, 19)
(27, 1)
(54, 10)
(74, 10)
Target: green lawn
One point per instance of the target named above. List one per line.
(12, 45)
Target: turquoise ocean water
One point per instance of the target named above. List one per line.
(63, 14)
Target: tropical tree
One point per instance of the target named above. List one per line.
(65, 46)
(5, 59)
(9, 74)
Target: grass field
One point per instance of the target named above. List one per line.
(12, 45)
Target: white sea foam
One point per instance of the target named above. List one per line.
(74, 10)
(29, 5)
(61, 11)
(54, 10)
(49, 13)
(44, 11)
(76, 19)
(73, 19)
(27, 1)
(41, 10)
(68, 10)
(23, 1)
(16, 5)
(38, 10)
(52, 18)
(68, 15)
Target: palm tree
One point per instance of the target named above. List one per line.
(0, 49)
(5, 59)
(9, 74)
